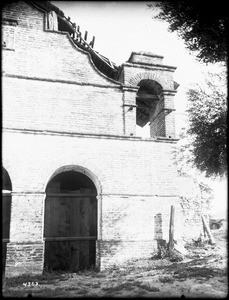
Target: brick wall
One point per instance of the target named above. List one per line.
(137, 181)
(42, 105)
(60, 113)
(53, 84)
(118, 162)
(47, 72)
(24, 258)
(46, 54)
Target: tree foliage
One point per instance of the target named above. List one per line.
(205, 140)
(208, 125)
(202, 27)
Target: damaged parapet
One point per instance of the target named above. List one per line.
(156, 90)
(57, 21)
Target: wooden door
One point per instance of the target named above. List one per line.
(70, 230)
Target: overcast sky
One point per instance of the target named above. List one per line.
(121, 27)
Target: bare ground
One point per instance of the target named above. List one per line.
(202, 273)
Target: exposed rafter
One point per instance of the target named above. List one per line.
(101, 62)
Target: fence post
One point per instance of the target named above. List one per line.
(171, 228)
(206, 227)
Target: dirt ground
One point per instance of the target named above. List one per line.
(202, 273)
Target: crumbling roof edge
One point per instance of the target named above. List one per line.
(47, 6)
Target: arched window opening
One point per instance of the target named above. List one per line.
(70, 222)
(147, 99)
(6, 212)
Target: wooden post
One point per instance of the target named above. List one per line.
(92, 42)
(206, 227)
(85, 36)
(171, 228)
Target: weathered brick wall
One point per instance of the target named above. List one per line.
(170, 124)
(60, 112)
(63, 79)
(125, 234)
(27, 16)
(124, 166)
(135, 73)
(24, 257)
(137, 181)
(53, 84)
(46, 54)
(42, 105)
(193, 204)
(26, 210)
(129, 110)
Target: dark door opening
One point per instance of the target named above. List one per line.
(6, 211)
(70, 222)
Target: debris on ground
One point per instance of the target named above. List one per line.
(202, 272)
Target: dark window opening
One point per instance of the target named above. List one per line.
(147, 98)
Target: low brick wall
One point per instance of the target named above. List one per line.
(24, 258)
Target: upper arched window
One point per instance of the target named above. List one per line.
(148, 95)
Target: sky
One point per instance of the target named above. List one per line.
(122, 27)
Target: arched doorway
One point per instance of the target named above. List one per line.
(70, 222)
(6, 212)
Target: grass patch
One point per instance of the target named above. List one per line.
(71, 288)
(91, 272)
(82, 292)
(123, 286)
(95, 285)
(141, 293)
(15, 294)
(127, 286)
(146, 287)
(165, 279)
(48, 277)
(35, 293)
(197, 272)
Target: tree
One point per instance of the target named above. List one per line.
(203, 28)
(203, 144)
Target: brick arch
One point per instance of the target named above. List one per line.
(147, 75)
(89, 171)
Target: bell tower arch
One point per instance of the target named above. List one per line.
(149, 91)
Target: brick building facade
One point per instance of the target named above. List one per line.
(80, 188)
